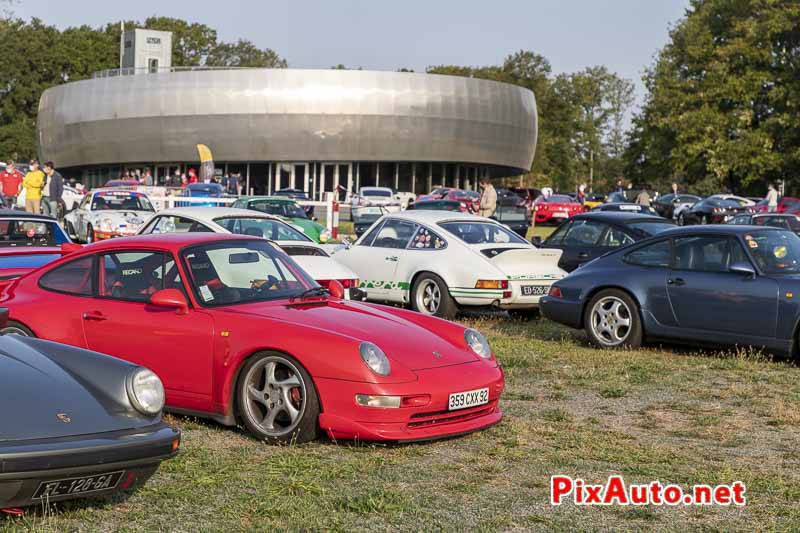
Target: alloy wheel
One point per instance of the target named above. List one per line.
(275, 398)
(611, 321)
(429, 297)
(13, 330)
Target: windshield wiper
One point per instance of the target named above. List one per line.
(313, 291)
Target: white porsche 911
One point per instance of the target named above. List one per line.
(309, 255)
(106, 213)
(438, 261)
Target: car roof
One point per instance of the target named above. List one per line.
(780, 215)
(114, 189)
(14, 213)
(434, 217)
(620, 217)
(281, 199)
(210, 213)
(712, 229)
(165, 241)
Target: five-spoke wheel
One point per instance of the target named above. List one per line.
(612, 320)
(430, 296)
(277, 399)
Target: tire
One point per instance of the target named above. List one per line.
(612, 320)
(430, 296)
(258, 397)
(525, 314)
(89, 234)
(15, 328)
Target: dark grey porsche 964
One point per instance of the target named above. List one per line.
(75, 423)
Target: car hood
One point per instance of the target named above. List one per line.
(523, 262)
(123, 214)
(309, 227)
(408, 341)
(41, 399)
(323, 268)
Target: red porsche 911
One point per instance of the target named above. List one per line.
(237, 332)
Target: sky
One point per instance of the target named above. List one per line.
(624, 35)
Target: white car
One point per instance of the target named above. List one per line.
(309, 255)
(106, 213)
(438, 261)
(405, 198)
(376, 197)
(71, 198)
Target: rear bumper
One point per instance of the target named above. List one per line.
(25, 465)
(567, 312)
(342, 418)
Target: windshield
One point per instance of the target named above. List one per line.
(281, 209)
(230, 273)
(775, 252)
(376, 192)
(121, 200)
(31, 233)
(266, 228)
(651, 228)
(482, 233)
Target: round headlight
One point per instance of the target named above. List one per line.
(145, 391)
(478, 343)
(105, 224)
(374, 358)
(324, 235)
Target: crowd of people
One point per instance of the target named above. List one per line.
(232, 182)
(40, 185)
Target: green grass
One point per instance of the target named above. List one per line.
(673, 414)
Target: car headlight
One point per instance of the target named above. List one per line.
(324, 235)
(374, 358)
(145, 391)
(478, 343)
(105, 224)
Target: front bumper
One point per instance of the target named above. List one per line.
(104, 235)
(25, 465)
(342, 418)
(567, 312)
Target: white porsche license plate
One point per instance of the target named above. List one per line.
(470, 398)
(534, 290)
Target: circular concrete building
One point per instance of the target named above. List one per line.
(310, 129)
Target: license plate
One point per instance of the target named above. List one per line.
(559, 215)
(77, 485)
(470, 398)
(532, 290)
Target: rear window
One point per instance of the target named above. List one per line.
(376, 192)
(559, 199)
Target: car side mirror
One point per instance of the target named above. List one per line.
(336, 289)
(170, 299)
(743, 268)
(536, 241)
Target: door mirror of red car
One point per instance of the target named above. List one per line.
(336, 289)
(171, 299)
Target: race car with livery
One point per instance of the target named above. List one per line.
(107, 213)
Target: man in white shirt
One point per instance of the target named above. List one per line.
(772, 199)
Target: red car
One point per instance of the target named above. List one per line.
(786, 204)
(470, 201)
(556, 208)
(239, 333)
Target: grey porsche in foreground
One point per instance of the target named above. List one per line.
(75, 423)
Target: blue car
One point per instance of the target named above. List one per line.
(202, 190)
(719, 285)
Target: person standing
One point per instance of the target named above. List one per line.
(581, 195)
(33, 184)
(193, 176)
(233, 184)
(675, 189)
(11, 183)
(643, 198)
(148, 178)
(55, 188)
(488, 204)
(772, 198)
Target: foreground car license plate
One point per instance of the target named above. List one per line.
(77, 485)
(470, 398)
(532, 290)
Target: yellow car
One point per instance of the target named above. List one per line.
(593, 199)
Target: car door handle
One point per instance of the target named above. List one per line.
(676, 281)
(391, 258)
(94, 315)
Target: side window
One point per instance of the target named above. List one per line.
(74, 277)
(615, 238)
(169, 224)
(367, 241)
(584, 233)
(703, 254)
(426, 239)
(85, 202)
(738, 254)
(652, 255)
(394, 234)
(134, 276)
(557, 236)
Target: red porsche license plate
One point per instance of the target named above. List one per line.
(470, 398)
(77, 485)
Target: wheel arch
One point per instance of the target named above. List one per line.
(231, 416)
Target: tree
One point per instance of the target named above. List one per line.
(723, 105)
(244, 53)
